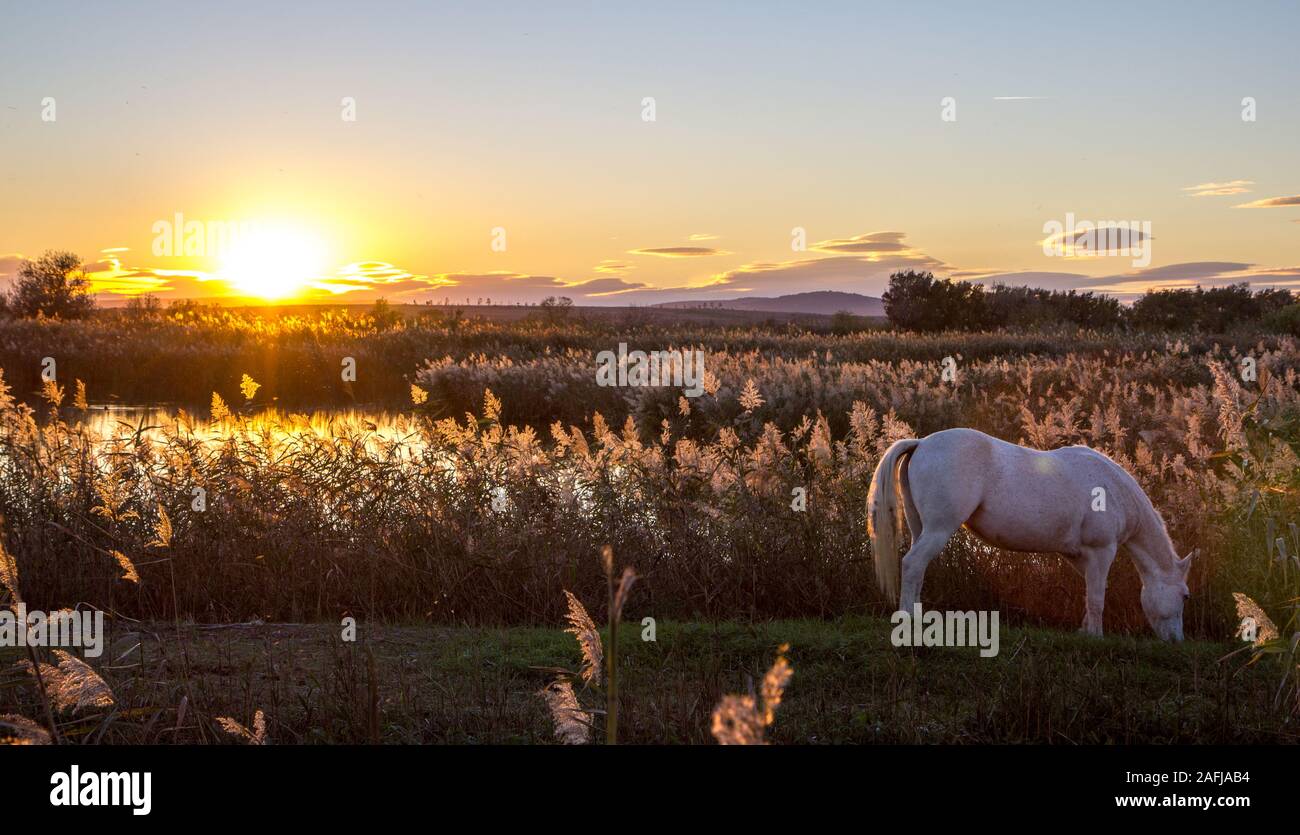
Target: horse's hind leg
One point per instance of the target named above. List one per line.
(926, 547)
(1094, 564)
(909, 506)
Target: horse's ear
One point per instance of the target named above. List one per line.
(1186, 562)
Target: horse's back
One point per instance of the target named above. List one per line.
(1019, 498)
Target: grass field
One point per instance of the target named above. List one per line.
(462, 685)
(488, 485)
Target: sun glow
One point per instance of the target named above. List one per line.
(273, 262)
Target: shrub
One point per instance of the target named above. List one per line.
(918, 301)
(53, 285)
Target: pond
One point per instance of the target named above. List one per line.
(116, 420)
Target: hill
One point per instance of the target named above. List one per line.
(821, 302)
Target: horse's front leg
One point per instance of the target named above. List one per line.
(1094, 564)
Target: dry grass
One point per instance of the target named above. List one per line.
(480, 500)
(744, 720)
(473, 520)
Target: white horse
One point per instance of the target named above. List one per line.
(1023, 499)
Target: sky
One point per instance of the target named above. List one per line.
(431, 151)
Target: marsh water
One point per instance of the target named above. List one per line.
(116, 420)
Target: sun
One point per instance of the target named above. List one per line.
(273, 262)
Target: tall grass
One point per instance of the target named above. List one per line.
(182, 357)
(480, 520)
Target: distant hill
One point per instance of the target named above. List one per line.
(822, 302)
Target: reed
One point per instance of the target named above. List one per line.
(746, 504)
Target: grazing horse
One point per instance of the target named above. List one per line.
(1072, 501)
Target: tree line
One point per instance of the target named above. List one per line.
(918, 301)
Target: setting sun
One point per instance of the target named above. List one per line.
(273, 262)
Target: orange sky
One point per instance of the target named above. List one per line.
(505, 153)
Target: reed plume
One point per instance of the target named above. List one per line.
(19, 730)
(220, 411)
(162, 531)
(257, 736)
(72, 685)
(743, 720)
(8, 569)
(248, 387)
(565, 710)
(584, 630)
(128, 568)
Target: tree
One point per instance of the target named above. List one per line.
(1216, 310)
(557, 309)
(53, 285)
(918, 301)
(384, 316)
(1284, 320)
(143, 307)
(1032, 307)
(844, 322)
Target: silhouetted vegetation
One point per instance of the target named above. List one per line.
(844, 322)
(53, 285)
(1214, 310)
(556, 310)
(917, 301)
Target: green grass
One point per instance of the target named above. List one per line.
(850, 685)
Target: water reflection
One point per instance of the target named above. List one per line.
(117, 421)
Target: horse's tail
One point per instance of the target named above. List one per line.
(885, 502)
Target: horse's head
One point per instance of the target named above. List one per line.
(1163, 596)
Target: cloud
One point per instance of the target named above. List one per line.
(857, 264)
(370, 275)
(871, 242)
(606, 287)
(1093, 240)
(1220, 189)
(1188, 270)
(1271, 203)
(679, 251)
(701, 236)
(112, 279)
(1277, 275)
(860, 263)
(9, 266)
(851, 273)
(512, 288)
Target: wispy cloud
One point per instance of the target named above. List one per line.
(371, 275)
(9, 265)
(1271, 203)
(870, 242)
(509, 287)
(861, 264)
(679, 251)
(1219, 189)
